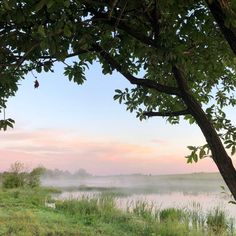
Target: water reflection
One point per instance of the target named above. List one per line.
(202, 201)
(201, 190)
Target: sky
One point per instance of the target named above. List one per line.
(65, 126)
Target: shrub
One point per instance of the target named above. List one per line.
(34, 177)
(18, 177)
(13, 180)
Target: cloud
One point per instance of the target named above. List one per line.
(57, 142)
(59, 148)
(159, 142)
(66, 150)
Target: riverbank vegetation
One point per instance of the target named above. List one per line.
(24, 211)
(30, 209)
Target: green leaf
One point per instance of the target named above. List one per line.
(232, 202)
(67, 3)
(116, 96)
(9, 124)
(189, 159)
(229, 145)
(195, 157)
(118, 91)
(11, 120)
(67, 31)
(202, 153)
(192, 148)
(233, 150)
(6, 5)
(41, 31)
(40, 5)
(50, 3)
(39, 69)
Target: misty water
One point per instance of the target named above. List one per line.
(201, 192)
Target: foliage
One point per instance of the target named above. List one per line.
(18, 177)
(34, 177)
(131, 37)
(13, 180)
(179, 55)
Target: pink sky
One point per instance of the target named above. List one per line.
(54, 149)
(66, 126)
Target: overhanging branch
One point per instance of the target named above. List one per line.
(219, 10)
(112, 21)
(132, 79)
(178, 75)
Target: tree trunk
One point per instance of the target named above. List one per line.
(219, 154)
(219, 12)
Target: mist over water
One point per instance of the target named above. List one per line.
(189, 183)
(201, 190)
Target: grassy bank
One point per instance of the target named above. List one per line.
(23, 212)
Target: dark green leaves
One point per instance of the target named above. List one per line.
(197, 152)
(76, 72)
(119, 95)
(231, 144)
(40, 5)
(4, 124)
(67, 31)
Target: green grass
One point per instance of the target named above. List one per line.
(23, 212)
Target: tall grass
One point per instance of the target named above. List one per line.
(142, 218)
(23, 212)
(216, 221)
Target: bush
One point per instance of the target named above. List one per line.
(18, 177)
(34, 177)
(13, 180)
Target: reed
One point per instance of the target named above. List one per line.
(23, 212)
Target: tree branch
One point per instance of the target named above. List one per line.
(167, 113)
(78, 52)
(21, 59)
(219, 10)
(24, 57)
(132, 79)
(112, 21)
(180, 79)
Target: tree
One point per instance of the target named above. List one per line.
(18, 176)
(81, 173)
(224, 13)
(184, 50)
(34, 177)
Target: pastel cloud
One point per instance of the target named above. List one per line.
(64, 150)
(53, 148)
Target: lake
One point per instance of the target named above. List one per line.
(203, 202)
(199, 191)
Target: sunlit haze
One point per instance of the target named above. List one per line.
(66, 126)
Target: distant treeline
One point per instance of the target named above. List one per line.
(64, 174)
(19, 175)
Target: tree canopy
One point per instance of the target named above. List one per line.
(178, 54)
